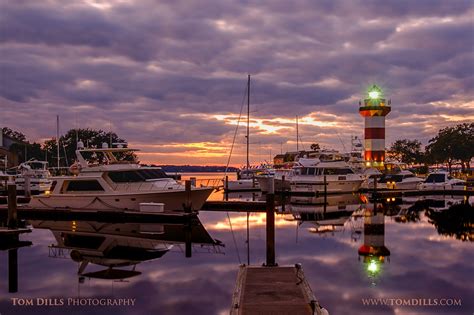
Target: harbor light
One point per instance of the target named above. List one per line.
(374, 109)
(374, 94)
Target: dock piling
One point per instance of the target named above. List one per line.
(13, 270)
(12, 221)
(27, 186)
(325, 192)
(187, 203)
(270, 226)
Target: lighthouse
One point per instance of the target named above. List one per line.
(374, 109)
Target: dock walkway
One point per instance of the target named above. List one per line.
(273, 290)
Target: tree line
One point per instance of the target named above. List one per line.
(451, 146)
(47, 151)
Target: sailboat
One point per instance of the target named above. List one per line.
(246, 176)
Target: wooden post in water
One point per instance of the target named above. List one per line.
(187, 227)
(282, 188)
(270, 207)
(12, 220)
(13, 270)
(325, 192)
(187, 202)
(226, 188)
(27, 186)
(188, 239)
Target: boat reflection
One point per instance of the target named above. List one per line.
(119, 245)
(325, 214)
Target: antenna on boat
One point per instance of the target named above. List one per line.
(248, 121)
(297, 135)
(57, 139)
(110, 133)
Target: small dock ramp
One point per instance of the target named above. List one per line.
(273, 290)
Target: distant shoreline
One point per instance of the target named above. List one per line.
(197, 169)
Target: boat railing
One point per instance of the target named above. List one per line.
(216, 183)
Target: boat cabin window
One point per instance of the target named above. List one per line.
(84, 185)
(337, 171)
(136, 175)
(435, 178)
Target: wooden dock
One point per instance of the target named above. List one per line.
(28, 213)
(273, 290)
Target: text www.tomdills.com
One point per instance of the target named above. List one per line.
(411, 302)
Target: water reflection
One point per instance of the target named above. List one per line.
(374, 253)
(400, 244)
(324, 214)
(453, 216)
(119, 245)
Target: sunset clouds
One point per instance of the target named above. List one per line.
(169, 76)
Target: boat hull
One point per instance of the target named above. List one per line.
(242, 185)
(279, 185)
(411, 185)
(332, 186)
(173, 200)
(442, 186)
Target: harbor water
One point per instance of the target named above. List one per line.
(421, 253)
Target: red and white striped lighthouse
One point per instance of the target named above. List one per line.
(374, 111)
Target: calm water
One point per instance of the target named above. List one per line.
(423, 250)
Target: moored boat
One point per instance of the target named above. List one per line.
(105, 180)
(440, 180)
(312, 175)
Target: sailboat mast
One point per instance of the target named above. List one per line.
(57, 139)
(248, 121)
(297, 136)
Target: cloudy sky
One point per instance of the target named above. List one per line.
(170, 76)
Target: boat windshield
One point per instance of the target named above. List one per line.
(392, 178)
(435, 178)
(136, 175)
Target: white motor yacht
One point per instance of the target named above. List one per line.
(104, 180)
(310, 174)
(404, 180)
(441, 180)
(38, 174)
(246, 180)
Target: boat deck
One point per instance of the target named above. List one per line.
(273, 290)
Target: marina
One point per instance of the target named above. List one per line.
(244, 158)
